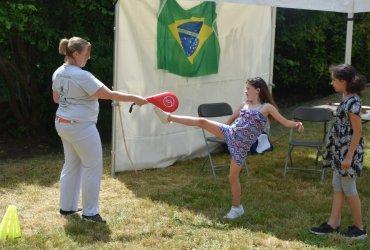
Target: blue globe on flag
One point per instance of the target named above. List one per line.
(189, 36)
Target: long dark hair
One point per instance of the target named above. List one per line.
(356, 82)
(264, 94)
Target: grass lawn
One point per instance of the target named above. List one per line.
(180, 207)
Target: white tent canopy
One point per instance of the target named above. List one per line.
(246, 36)
(345, 6)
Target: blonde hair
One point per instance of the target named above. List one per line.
(68, 46)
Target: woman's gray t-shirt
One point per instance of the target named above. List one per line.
(76, 88)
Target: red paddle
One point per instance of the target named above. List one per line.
(166, 101)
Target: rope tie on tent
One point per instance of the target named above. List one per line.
(124, 138)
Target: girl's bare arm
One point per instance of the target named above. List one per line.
(269, 109)
(235, 114)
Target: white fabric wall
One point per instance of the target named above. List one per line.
(245, 40)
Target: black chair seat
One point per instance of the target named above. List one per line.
(307, 143)
(215, 139)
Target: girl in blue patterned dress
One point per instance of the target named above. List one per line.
(345, 152)
(240, 131)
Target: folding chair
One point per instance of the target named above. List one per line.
(213, 110)
(317, 123)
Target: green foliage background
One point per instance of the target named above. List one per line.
(29, 39)
(307, 42)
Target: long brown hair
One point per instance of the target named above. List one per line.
(264, 93)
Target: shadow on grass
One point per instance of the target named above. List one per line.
(42, 170)
(285, 207)
(86, 232)
(184, 186)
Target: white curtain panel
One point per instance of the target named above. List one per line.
(245, 39)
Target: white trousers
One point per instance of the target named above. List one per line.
(83, 166)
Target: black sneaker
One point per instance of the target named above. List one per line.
(64, 213)
(323, 229)
(354, 232)
(94, 218)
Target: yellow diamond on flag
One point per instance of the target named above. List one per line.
(190, 34)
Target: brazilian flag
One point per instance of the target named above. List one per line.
(186, 41)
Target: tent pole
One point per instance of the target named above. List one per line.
(114, 87)
(272, 52)
(349, 35)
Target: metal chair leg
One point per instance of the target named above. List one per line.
(286, 165)
(246, 168)
(212, 166)
(204, 163)
(322, 174)
(287, 159)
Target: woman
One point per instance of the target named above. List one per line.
(77, 92)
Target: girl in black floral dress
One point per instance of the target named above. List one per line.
(345, 152)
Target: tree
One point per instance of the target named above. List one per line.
(307, 42)
(29, 42)
(16, 63)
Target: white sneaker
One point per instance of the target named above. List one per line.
(235, 212)
(163, 116)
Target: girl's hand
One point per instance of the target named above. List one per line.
(346, 164)
(299, 127)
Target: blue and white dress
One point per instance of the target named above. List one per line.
(240, 136)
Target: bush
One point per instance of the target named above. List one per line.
(29, 45)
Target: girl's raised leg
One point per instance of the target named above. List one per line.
(211, 126)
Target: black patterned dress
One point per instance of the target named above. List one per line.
(340, 136)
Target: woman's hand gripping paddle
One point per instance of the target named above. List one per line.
(166, 101)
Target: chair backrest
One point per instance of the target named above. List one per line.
(214, 109)
(317, 121)
(312, 114)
